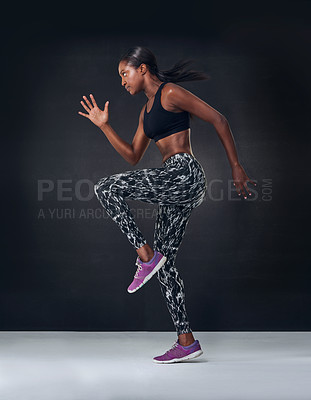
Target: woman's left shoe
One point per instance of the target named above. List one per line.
(145, 271)
(180, 353)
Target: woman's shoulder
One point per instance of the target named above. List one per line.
(172, 89)
(170, 86)
(173, 96)
(174, 93)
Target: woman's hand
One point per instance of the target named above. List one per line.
(239, 180)
(95, 114)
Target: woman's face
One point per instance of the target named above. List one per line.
(132, 78)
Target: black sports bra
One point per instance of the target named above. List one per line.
(160, 123)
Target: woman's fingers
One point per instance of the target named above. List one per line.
(84, 106)
(252, 182)
(84, 115)
(237, 188)
(87, 102)
(242, 188)
(246, 190)
(243, 193)
(93, 100)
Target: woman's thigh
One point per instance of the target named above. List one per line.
(163, 185)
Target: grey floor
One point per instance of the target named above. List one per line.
(118, 365)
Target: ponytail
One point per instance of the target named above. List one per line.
(180, 72)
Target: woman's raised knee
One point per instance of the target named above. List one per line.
(101, 185)
(106, 185)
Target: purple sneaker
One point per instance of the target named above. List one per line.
(180, 353)
(145, 271)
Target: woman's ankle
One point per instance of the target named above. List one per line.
(147, 258)
(145, 253)
(186, 339)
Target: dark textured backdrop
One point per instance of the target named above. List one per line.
(244, 263)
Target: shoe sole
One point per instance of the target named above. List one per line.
(174, 360)
(156, 269)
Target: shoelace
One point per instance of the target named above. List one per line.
(140, 268)
(172, 348)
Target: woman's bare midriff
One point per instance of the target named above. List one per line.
(177, 143)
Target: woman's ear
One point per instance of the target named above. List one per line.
(143, 68)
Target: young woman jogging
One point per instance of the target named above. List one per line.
(178, 186)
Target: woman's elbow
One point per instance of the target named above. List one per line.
(134, 160)
(220, 120)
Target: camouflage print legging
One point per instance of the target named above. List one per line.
(177, 187)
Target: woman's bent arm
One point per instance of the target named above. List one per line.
(187, 101)
(132, 153)
(122, 147)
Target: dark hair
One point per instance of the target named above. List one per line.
(138, 55)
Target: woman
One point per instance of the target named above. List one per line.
(178, 186)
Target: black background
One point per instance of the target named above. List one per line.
(244, 262)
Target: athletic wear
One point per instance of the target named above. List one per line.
(178, 187)
(180, 353)
(145, 271)
(160, 123)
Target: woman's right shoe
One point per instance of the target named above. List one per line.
(178, 353)
(145, 271)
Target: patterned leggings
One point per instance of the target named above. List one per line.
(177, 187)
